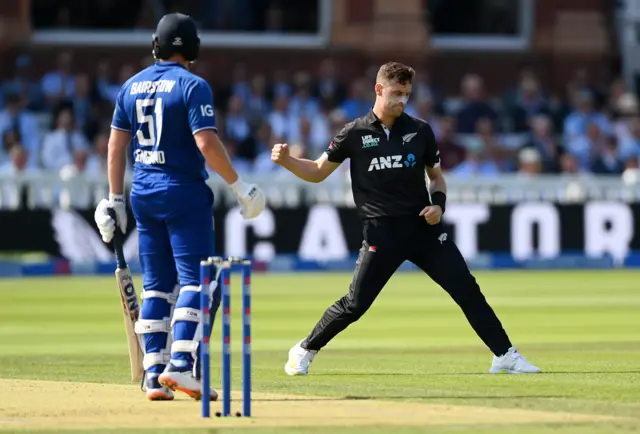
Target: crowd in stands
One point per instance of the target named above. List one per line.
(60, 121)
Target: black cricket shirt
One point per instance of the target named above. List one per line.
(387, 166)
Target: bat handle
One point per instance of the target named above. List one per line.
(118, 241)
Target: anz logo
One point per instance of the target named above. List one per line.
(392, 162)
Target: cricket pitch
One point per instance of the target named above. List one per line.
(69, 405)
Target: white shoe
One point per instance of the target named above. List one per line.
(154, 390)
(299, 360)
(512, 363)
(184, 381)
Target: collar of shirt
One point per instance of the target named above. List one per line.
(372, 118)
(165, 64)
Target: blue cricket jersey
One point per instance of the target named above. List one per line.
(162, 107)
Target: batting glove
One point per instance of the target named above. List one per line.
(106, 225)
(250, 197)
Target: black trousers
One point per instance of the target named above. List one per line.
(388, 242)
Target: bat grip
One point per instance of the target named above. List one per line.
(118, 241)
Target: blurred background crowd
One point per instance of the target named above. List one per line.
(62, 118)
(59, 120)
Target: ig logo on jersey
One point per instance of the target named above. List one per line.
(206, 110)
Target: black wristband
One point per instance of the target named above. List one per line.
(439, 198)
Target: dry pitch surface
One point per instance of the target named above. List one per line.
(68, 405)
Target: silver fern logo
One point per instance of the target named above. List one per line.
(407, 137)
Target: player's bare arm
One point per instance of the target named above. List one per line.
(216, 155)
(250, 196)
(117, 160)
(436, 180)
(116, 167)
(437, 191)
(308, 170)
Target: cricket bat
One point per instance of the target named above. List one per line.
(130, 305)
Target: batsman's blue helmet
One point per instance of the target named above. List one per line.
(176, 34)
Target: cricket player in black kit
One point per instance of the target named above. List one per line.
(390, 152)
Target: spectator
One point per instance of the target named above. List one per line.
(451, 152)
(23, 122)
(328, 87)
(23, 83)
(544, 141)
(280, 120)
(359, 102)
(242, 165)
(631, 146)
(491, 144)
(236, 124)
(422, 89)
(96, 164)
(239, 85)
(125, 73)
(632, 163)
(570, 164)
(281, 86)
(581, 82)
(82, 101)
(477, 163)
(257, 106)
(608, 162)
(263, 143)
(10, 140)
(586, 147)
(60, 145)
(13, 194)
(108, 88)
(302, 134)
(576, 123)
(312, 134)
(424, 109)
(17, 162)
(303, 103)
(529, 102)
(529, 162)
(475, 106)
(624, 110)
(59, 84)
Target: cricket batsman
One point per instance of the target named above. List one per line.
(390, 152)
(166, 113)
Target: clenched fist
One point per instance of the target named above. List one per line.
(279, 153)
(432, 214)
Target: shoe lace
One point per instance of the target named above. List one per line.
(307, 358)
(515, 354)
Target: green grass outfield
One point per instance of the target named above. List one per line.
(414, 348)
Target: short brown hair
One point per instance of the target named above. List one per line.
(397, 72)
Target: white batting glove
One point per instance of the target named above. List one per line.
(250, 197)
(106, 225)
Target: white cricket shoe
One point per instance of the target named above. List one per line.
(184, 381)
(299, 360)
(154, 390)
(512, 363)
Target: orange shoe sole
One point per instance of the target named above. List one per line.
(159, 396)
(195, 394)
